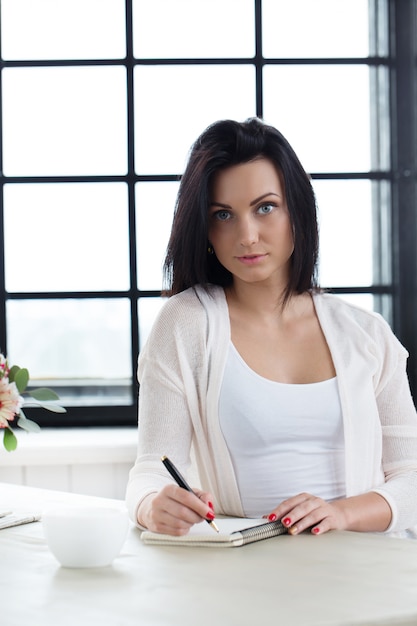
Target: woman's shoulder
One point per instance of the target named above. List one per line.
(352, 319)
(194, 300)
(184, 323)
(187, 313)
(338, 304)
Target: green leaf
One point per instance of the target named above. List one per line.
(49, 406)
(43, 394)
(21, 379)
(55, 408)
(9, 440)
(28, 425)
(12, 373)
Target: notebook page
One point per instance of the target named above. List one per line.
(226, 525)
(202, 534)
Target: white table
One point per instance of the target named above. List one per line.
(338, 578)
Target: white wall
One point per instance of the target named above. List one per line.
(92, 461)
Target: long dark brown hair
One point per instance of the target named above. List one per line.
(223, 144)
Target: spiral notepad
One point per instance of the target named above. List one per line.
(9, 519)
(234, 532)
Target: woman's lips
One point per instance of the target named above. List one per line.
(251, 259)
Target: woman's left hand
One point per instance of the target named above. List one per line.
(305, 511)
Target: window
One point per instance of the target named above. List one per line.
(100, 102)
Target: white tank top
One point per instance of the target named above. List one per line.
(283, 438)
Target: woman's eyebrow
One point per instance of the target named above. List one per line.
(219, 204)
(227, 206)
(265, 195)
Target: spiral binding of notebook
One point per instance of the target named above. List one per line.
(257, 533)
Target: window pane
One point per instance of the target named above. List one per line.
(77, 343)
(63, 29)
(64, 121)
(190, 29)
(323, 28)
(345, 216)
(69, 237)
(184, 101)
(380, 118)
(324, 113)
(382, 232)
(148, 310)
(155, 204)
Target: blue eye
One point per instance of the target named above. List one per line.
(222, 215)
(264, 209)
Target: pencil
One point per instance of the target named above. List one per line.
(180, 480)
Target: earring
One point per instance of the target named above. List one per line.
(210, 249)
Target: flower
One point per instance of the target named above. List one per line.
(10, 402)
(13, 382)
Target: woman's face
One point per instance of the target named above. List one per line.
(249, 225)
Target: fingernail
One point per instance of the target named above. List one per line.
(316, 530)
(210, 516)
(272, 517)
(286, 521)
(211, 505)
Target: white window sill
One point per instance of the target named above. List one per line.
(68, 446)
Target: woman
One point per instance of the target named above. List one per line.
(294, 404)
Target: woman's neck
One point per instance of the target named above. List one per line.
(255, 297)
(262, 302)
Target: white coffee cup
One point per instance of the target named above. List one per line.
(85, 536)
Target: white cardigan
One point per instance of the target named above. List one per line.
(180, 374)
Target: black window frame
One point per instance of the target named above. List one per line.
(397, 53)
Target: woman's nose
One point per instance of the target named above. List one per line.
(248, 233)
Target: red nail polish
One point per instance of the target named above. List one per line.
(286, 521)
(272, 517)
(210, 516)
(211, 505)
(316, 530)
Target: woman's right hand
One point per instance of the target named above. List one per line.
(174, 510)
